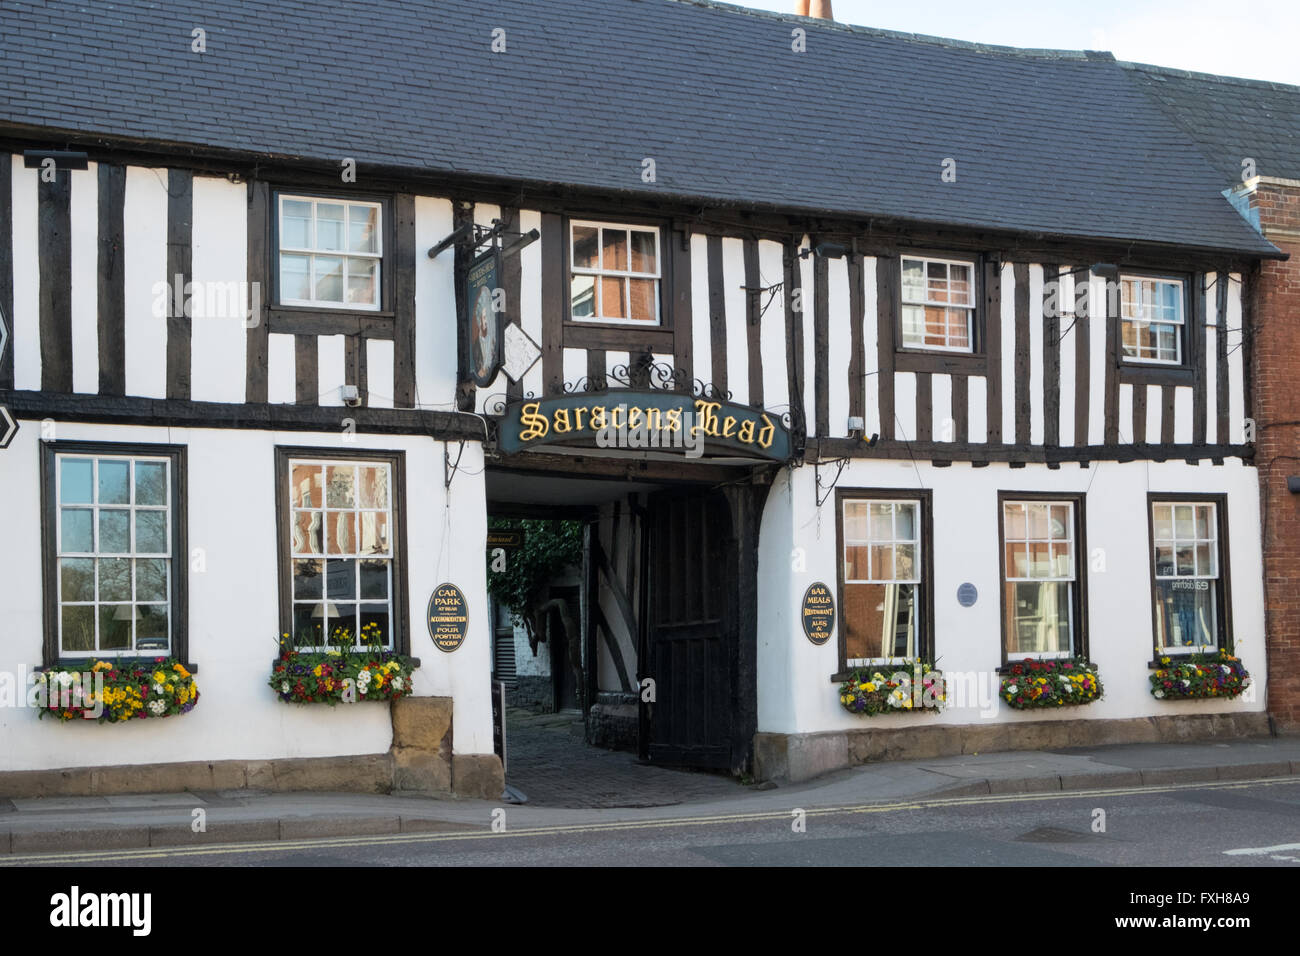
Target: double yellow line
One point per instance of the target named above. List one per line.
(399, 839)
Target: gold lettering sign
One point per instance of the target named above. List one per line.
(635, 419)
(448, 617)
(818, 613)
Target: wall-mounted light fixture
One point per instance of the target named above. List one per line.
(1293, 484)
(825, 250)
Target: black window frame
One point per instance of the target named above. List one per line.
(1134, 372)
(1079, 608)
(396, 459)
(178, 599)
(388, 232)
(911, 358)
(1220, 502)
(925, 647)
(621, 336)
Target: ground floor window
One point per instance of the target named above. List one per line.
(342, 575)
(1041, 578)
(114, 530)
(1188, 574)
(885, 608)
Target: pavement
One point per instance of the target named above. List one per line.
(547, 759)
(612, 788)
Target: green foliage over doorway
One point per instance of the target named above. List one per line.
(549, 548)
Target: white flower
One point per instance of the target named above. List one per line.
(65, 679)
(364, 676)
(397, 683)
(158, 688)
(1160, 693)
(362, 688)
(157, 706)
(1186, 682)
(1069, 688)
(284, 686)
(1012, 688)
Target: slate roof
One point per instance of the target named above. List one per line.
(1048, 142)
(1230, 119)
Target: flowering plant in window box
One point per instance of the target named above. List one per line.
(911, 685)
(1199, 676)
(342, 674)
(1050, 683)
(114, 691)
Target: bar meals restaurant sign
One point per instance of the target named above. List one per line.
(649, 420)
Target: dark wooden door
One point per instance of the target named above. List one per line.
(691, 630)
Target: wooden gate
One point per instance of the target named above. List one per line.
(692, 630)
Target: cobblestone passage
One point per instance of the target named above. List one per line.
(549, 761)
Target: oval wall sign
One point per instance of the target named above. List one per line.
(818, 613)
(448, 617)
(967, 595)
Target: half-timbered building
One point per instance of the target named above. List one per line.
(955, 332)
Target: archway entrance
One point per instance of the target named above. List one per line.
(664, 599)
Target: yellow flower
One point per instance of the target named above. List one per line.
(869, 686)
(159, 677)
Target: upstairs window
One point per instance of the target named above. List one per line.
(615, 273)
(938, 304)
(330, 252)
(1152, 317)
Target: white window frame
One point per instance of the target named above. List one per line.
(95, 555)
(1127, 307)
(390, 555)
(1072, 579)
(657, 275)
(918, 566)
(904, 303)
(1216, 588)
(313, 253)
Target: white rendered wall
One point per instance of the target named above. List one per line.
(795, 692)
(218, 331)
(234, 607)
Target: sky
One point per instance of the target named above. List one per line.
(1259, 39)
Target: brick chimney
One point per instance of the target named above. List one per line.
(819, 8)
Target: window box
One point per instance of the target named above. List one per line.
(1031, 684)
(894, 689)
(112, 692)
(342, 675)
(1199, 677)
